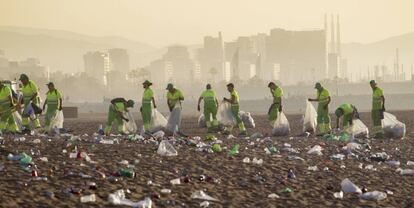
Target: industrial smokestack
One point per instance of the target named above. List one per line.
(338, 36)
(332, 34)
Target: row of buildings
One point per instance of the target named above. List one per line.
(289, 56)
(10, 69)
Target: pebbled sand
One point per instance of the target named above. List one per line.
(237, 184)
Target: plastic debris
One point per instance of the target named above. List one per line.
(410, 163)
(393, 162)
(313, 168)
(257, 161)
(204, 204)
(287, 190)
(393, 127)
(176, 181)
(339, 195)
(247, 119)
(88, 198)
(291, 174)
(309, 120)
(337, 157)
(348, 187)
(380, 157)
(36, 141)
(406, 171)
(166, 191)
(246, 160)
(273, 196)
(374, 195)
(295, 158)
(316, 150)
(234, 150)
(118, 198)
(358, 129)
(166, 149)
(203, 196)
(216, 148)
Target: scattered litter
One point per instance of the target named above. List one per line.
(257, 161)
(204, 204)
(316, 150)
(176, 181)
(166, 149)
(348, 187)
(246, 160)
(118, 198)
(281, 126)
(374, 195)
(203, 196)
(337, 157)
(273, 196)
(88, 198)
(339, 195)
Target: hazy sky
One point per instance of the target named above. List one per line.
(164, 22)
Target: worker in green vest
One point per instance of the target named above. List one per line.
(235, 109)
(348, 112)
(147, 102)
(174, 97)
(7, 107)
(116, 114)
(323, 98)
(30, 96)
(378, 108)
(210, 108)
(276, 106)
(54, 104)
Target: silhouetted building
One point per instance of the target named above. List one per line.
(212, 56)
(119, 59)
(97, 64)
(30, 66)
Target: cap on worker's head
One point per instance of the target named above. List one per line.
(270, 84)
(318, 85)
(50, 83)
(208, 86)
(130, 103)
(372, 82)
(230, 85)
(23, 77)
(339, 112)
(170, 86)
(146, 82)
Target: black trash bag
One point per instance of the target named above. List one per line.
(37, 109)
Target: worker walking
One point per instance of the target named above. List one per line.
(235, 109)
(348, 112)
(31, 100)
(54, 104)
(210, 108)
(7, 107)
(378, 108)
(147, 102)
(116, 114)
(276, 106)
(323, 119)
(174, 99)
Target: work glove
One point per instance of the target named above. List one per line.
(280, 109)
(198, 107)
(127, 120)
(60, 108)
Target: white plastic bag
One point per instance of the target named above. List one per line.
(224, 114)
(202, 121)
(166, 149)
(316, 150)
(158, 121)
(393, 127)
(203, 196)
(359, 129)
(349, 187)
(129, 127)
(57, 120)
(247, 119)
(281, 126)
(118, 198)
(174, 120)
(18, 118)
(374, 195)
(309, 121)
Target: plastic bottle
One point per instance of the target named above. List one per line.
(25, 159)
(234, 150)
(291, 175)
(100, 130)
(125, 172)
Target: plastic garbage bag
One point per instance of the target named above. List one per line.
(118, 198)
(129, 127)
(202, 121)
(166, 149)
(57, 121)
(348, 187)
(247, 119)
(224, 114)
(315, 150)
(392, 127)
(309, 120)
(281, 126)
(359, 129)
(374, 195)
(18, 118)
(203, 196)
(174, 120)
(158, 121)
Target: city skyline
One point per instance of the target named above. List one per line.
(162, 24)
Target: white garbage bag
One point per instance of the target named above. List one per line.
(129, 127)
(349, 187)
(309, 121)
(166, 149)
(247, 119)
(202, 121)
(359, 129)
(18, 118)
(393, 127)
(174, 120)
(158, 121)
(281, 126)
(224, 114)
(57, 121)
